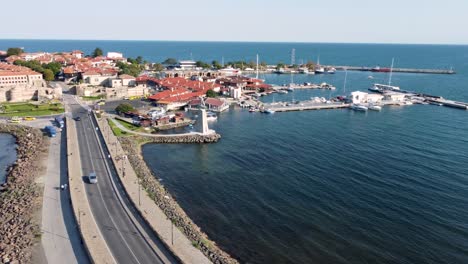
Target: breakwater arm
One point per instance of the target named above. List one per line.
(403, 70)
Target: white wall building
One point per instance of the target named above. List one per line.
(114, 55)
(362, 98)
(187, 65)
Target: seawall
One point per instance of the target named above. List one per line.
(20, 199)
(164, 200)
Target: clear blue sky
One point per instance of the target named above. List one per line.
(369, 21)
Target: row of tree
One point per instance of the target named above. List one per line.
(48, 70)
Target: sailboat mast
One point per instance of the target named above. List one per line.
(257, 67)
(345, 78)
(391, 72)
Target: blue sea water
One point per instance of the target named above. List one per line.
(7, 155)
(331, 186)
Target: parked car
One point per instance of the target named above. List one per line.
(15, 119)
(77, 118)
(29, 118)
(92, 178)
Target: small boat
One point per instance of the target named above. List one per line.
(282, 91)
(319, 70)
(290, 88)
(370, 77)
(375, 107)
(358, 107)
(330, 70)
(269, 111)
(279, 71)
(253, 109)
(210, 116)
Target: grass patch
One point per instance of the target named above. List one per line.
(29, 109)
(117, 131)
(127, 125)
(93, 98)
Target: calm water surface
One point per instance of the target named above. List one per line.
(323, 186)
(7, 155)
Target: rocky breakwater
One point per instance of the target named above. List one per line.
(20, 197)
(157, 192)
(189, 139)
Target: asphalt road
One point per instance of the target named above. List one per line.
(127, 243)
(61, 240)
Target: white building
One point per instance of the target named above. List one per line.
(187, 65)
(235, 92)
(114, 55)
(394, 96)
(362, 97)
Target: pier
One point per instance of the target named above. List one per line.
(304, 105)
(403, 70)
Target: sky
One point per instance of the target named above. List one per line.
(357, 21)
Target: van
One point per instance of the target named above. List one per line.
(15, 119)
(92, 178)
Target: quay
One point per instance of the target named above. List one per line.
(303, 105)
(402, 70)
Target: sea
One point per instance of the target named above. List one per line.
(329, 186)
(7, 155)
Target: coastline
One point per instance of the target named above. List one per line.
(158, 193)
(21, 198)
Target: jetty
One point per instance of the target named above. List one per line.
(303, 105)
(384, 70)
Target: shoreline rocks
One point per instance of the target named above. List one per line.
(20, 197)
(165, 201)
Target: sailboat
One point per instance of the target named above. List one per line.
(380, 88)
(291, 84)
(319, 69)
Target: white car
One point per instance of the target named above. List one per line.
(92, 178)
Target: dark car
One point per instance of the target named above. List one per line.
(77, 118)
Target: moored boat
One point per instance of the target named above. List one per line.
(374, 107)
(359, 107)
(210, 116)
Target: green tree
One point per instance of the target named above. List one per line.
(130, 69)
(158, 67)
(14, 51)
(55, 67)
(48, 75)
(279, 65)
(124, 108)
(263, 65)
(211, 93)
(310, 65)
(202, 64)
(139, 60)
(170, 61)
(216, 64)
(97, 52)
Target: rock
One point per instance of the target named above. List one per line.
(165, 200)
(20, 197)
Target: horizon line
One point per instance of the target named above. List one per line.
(240, 41)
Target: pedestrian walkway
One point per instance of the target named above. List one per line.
(61, 240)
(172, 236)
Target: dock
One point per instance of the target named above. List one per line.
(304, 105)
(402, 70)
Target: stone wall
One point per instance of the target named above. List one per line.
(20, 197)
(157, 192)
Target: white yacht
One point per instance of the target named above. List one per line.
(374, 107)
(210, 116)
(359, 107)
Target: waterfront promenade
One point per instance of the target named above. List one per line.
(170, 235)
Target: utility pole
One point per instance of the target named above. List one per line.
(139, 187)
